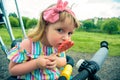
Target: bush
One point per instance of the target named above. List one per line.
(14, 21)
(88, 25)
(31, 23)
(110, 26)
(25, 19)
(2, 25)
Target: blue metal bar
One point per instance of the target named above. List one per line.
(6, 20)
(21, 22)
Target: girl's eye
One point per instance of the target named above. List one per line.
(59, 30)
(70, 33)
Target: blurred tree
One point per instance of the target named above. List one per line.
(88, 25)
(110, 25)
(13, 14)
(31, 23)
(14, 21)
(25, 19)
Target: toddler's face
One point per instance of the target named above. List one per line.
(58, 32)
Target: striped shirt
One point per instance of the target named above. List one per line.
(37, 49)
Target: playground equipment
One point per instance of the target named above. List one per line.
(5, 19)
(88, 69)
(3, 47)
(66, 73)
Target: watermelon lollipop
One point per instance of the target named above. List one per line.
(65, 45)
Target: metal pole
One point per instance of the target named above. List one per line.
(4, 48)
(6, 19)
(21, 22)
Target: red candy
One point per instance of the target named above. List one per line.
(65, 45)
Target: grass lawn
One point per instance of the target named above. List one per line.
(85, 42)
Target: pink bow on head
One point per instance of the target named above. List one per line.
(52, 14)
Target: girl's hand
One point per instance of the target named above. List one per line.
(42, 62)
(65, 45)
(52, 63)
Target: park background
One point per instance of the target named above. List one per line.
(87, 40)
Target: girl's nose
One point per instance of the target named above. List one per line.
(65, 37)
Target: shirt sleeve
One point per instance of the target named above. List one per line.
(16, 55)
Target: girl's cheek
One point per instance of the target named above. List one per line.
(56, 42)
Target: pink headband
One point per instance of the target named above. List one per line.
(52, 14)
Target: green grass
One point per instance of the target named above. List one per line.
(17, 33)
(85, 42)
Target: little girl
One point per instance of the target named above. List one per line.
(35, 57)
